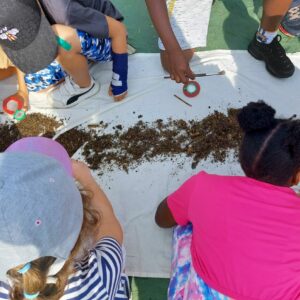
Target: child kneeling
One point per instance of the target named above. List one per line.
(68, 73)
(239, 237)
(56, 241)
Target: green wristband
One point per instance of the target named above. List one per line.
(64, 44)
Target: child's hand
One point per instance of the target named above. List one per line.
(118, 97)
(180, 70)
(119, 87)
(81, 172)
(24, 97)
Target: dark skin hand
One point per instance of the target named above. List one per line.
(179, 68)
(163, 216)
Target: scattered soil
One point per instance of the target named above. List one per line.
(215, 135)
(211, 138)
(35, 124)
(73, 139)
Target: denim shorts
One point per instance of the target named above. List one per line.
(94, 49)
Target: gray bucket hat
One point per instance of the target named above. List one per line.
(41, 210)
(26, 36)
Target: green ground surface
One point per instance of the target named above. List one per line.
(232, 26)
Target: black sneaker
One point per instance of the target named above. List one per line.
(274, 55)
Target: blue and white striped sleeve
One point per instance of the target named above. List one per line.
(110, 264)
(4, 291)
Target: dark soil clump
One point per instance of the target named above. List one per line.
(215, 135)
(210, 138)
(73, 139)
(35, 124)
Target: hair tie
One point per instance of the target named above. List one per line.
(31, 296)
(25, 268)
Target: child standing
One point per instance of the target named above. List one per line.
(265, 45)
(56, 242)
(239, 237)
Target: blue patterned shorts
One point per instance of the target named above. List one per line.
(92, 48)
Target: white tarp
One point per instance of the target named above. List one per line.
(136, 195)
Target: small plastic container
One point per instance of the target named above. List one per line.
(191, 89)
(12, 104)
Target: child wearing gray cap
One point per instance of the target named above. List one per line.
(56, 241)
(57, 57)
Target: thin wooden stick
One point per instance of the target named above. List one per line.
(203, 74)
(188, 104)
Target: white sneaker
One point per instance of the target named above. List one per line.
(68, 93)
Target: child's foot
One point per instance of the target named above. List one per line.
(68, 93)
(274, 55)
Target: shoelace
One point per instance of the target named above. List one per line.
(68, 87)
(277, 50)
(276, 47)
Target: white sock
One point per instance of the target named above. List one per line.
(265, 37)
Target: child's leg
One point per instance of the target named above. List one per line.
(79, 85)
(273, 12)
(188, 54)
(266, 45)
(72, 61)
(22, 92)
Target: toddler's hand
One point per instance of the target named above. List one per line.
(118, 87)
(118, 97)
(24, 97)
(81, 173)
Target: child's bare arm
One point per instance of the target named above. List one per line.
(22, 92)
(179, 67)
(109, 224)
(22, 89)
(6, 73)
(118, 35)
(163, 216)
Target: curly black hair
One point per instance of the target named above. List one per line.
(270, 150)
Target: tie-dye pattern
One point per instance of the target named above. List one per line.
(185, 284)
(93, 49)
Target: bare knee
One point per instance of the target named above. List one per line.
(68, 40)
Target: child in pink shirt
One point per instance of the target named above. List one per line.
(239, 237)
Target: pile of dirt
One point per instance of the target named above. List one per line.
(211, 137)
(215, 135)
(35, 124)
(73, 139)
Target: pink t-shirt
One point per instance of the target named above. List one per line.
(246, 235)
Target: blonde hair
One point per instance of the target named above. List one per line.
(34, 281)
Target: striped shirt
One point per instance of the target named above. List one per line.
(98, 277)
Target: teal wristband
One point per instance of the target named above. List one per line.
(63, 43)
